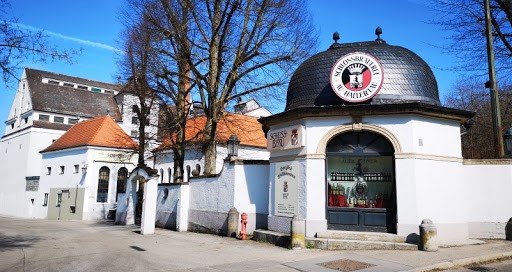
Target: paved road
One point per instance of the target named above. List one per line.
(505, 266)
(43, 245)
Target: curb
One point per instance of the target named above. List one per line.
(464, 262)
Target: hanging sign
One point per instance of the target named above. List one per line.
(286, 180)
(286, 138)
(357, 77)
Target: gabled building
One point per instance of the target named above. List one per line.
(83, 171)
(45, 106)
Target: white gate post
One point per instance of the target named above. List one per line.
(182, 209)
(149, 206)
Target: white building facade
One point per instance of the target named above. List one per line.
(45, 106)
(364, 145)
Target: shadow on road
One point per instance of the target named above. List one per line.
(16, 241)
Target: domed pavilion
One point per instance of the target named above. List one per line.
(365, 145)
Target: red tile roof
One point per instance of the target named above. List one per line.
(100, 131)
(247, 128)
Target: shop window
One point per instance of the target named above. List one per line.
(44, 117)
(360, 171)
(45, 200)
(103, 179)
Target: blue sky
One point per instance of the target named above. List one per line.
(94, 26)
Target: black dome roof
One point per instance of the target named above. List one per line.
(407, 77)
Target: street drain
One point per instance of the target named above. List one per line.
(137, 248)
(346, 265)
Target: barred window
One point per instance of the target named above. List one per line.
(103, 179)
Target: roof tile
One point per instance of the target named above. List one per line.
(101, 131)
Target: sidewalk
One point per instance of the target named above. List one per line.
(445, 258)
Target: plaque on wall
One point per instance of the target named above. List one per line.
(286, 138)
(286, 178)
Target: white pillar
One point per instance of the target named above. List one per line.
(147, 225)
(183, 206)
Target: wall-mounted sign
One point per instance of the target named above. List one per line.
(286, 179)
(286, 138)
(115, 157)
(357, 77)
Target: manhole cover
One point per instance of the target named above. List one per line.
(346, 265)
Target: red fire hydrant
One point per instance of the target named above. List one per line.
(243, 232)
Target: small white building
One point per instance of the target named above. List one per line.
(84, 170)
(364, 145)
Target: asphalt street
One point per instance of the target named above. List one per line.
(45, 245)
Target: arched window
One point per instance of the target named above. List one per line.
(161, 175)
(103, 179)
(122, 175)
(169, 172)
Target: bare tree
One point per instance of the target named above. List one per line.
(471, 95)
(135, 67)
(464, 20)
(168, 71)
(18, 44)
(232, 48)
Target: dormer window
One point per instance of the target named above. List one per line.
(54, 82)
(82, 87)
(69, 84)
(44, 117)
(58, 119)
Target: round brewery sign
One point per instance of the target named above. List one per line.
(357, 77)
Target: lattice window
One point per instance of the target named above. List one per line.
(103, 179)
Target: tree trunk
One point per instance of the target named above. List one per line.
(210, 147)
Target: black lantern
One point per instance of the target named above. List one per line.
(233, 144)
(508, 142)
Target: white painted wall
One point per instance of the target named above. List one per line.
(127, 101)
(193, 157)
(19, 158)
(488, 187)
(429, 179)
